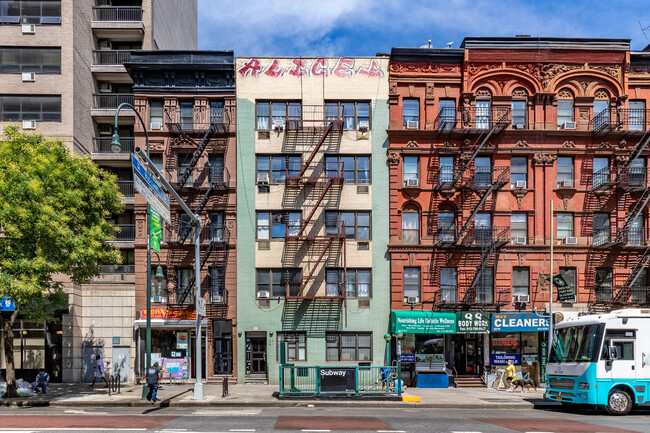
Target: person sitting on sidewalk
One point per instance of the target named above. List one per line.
(153, 376)
(42, 380)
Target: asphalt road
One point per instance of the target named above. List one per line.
(315, 420)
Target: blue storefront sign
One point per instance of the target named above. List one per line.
(519, 322)
(503, 358)
(408, 357)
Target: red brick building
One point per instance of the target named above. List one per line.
(482, 138)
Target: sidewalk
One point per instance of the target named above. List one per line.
(81, 395)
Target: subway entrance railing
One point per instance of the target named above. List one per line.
(348, 381)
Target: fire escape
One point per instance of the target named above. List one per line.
(310, 186)
(192, 131)
(475, 185)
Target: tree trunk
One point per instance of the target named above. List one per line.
(7, 326)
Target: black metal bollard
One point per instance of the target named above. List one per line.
(224, 387)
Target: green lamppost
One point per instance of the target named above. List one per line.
(116, 147)
(387, 338)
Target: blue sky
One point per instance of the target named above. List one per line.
(365, 27)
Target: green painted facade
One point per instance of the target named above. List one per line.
(314, 317)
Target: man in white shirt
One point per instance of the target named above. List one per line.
(100, 372)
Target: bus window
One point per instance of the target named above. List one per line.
(625, 349)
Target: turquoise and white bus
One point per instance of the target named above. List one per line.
(601, 360)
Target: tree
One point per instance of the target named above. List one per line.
(53, 209)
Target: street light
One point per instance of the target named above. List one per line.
(116, 147)
(398, 351)
(387, 338)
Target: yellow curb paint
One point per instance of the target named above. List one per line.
(411, 398)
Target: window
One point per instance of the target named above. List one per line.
(185, 168)
(410, 226)
(519, 227)
(448, 285)
(564, 225)
(518, 172)
(184, 291)
(603, 284)
(637, 116)
(446, 170)
(601, 113)
(483, 228)
(273, 282)
(15, 60)
(216, 226)
(272, 114)
(564, 111)
(296, 346)
(640, 288)
(15, 108)
(30, 12)
(446, 113)
(412, 283)
(483, 113)
(157, 160)
(217, 167)
(217, 284)
(411, 170)
(564, 172)
(348, 346)
(355, 169)
(601, 228)
(569, 275)
(155, 113)
(600, 172)
(185, 226)
(276, 167)
(446, 225)
(518, 113)
(356, 286)
(482, 171)
(216, 111)
(411, 112)
(357, 224)
(520, 282)
(485, 286)
(636, 233)
(187, 114)
(274, 225)
(355, 114)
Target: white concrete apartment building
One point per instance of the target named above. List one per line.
(62, 74)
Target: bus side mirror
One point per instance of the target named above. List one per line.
(613, 352)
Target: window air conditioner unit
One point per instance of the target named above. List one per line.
(278, 126)
(571, 241)
(105, 87)
(363, 126)
(411, 299)
(412, 182)
(262, 178)
(29, 29)
(520, 184)
(412, 124)
(29, 76)
(105, 45)
(218, 299)
(569, 125)
(567, 183)
(29, 124)
(105, 129)
(158, 299)
(263, 294)
(521, 299)
(518, 126)
(520, 240)
(156, 126)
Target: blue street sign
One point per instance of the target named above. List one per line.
(150, 190)
(503, 358)
(7, 305)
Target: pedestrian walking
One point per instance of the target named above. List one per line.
(42, 380)
(100, 372)
(510, 374)
(153, 376)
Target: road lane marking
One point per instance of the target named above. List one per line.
(242, 429)
(314, 430)
(391, 431)
(94, 429)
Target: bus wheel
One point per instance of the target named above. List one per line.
(619, 402)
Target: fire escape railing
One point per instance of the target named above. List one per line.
(610, 119)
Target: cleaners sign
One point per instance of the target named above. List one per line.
(519, 322)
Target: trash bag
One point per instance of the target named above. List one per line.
(20, 383)
(25, 392)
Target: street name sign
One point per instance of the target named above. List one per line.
(150, 190)
(155, 230)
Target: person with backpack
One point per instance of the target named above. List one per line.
(153, 376)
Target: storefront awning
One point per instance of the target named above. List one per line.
(168, 323)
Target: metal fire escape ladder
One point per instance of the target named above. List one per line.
(487, 253)
(204, 200)
(634, 154)
(493, 187)
(634, 214)
(313, 209)
(634, 275)
(182, 178)
(316, 148)
(204, 259)
(314, 267)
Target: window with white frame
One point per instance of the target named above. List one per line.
(155, 113)
(357, 224)
(355, 282)
(272, 114)
(565, 111)
(410, 226)
(355, 114)
(520, 281)
(565, 172)
(411, 113)
(276, 167)
(348, 346)
(354, 169)
(519, 227)
(412, 282)
(295, 344)
(448, 285)
(564, 225)
(277, 224)
(274, 282)
(637, 115)
(518, 113)
(411, 170)
(518, 172)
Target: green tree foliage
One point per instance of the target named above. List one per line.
(53, 210)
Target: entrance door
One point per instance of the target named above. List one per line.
(122, 363)
(90, 361)
(256, 354)
(222, 354)
(471, 355)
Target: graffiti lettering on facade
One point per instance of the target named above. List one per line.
(320, 67)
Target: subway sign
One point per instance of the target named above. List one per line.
(519, 322)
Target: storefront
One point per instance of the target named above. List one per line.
(173, 342)
(438, 342)
(520, 338)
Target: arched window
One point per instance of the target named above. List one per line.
(446, 224)
(411, 226)
(601, 109)
(483, 108)
(565, 110)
